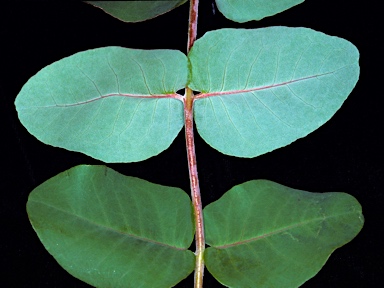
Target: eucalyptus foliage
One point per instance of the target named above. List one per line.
(256, 90)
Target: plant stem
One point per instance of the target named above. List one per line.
(192, 28)
(190, 144)
(195, 189)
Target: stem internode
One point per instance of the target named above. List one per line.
(195, 189)
(190, 144)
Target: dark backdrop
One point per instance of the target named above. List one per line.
(343, 155)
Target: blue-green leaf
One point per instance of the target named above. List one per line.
(114, 104)
(111, 230)
(247, 10)
(265, 235)
(262, 89)
(136, 11)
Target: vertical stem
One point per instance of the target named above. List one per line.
(190, 143)
(192, 29)
(195, 189)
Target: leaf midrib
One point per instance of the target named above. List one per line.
(81, 218)
(278, 231)
(231, 92)
(142, 96)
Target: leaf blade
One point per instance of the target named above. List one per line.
(263, 89)
(276, 236)
(110, 230)
(136, 11)
(243, 11)
(114, 104)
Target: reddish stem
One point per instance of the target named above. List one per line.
(195, 189)
(192, 30)
(190, 143)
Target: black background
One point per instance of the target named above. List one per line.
(343, 155)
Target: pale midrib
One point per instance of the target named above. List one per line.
(153, 96)
(109, 228)
(276, 232)
(221, 93)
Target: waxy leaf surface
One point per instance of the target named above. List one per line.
(264, 234)
(136, 11)
(247, 10)
(263, 89)
(114, 104)
(111, 230)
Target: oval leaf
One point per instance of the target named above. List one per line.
(136, 11)
(243, 11)
(111, 230)
(267, 235)
(263, 89)
(114, 104)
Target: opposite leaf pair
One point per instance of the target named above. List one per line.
(120, 105)
(239, 11)
(111, 230)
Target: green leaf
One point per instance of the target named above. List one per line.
(114, 104)
(263, 89)
(247, 10)
(111, 230)
(264, 234)
(136, 11)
